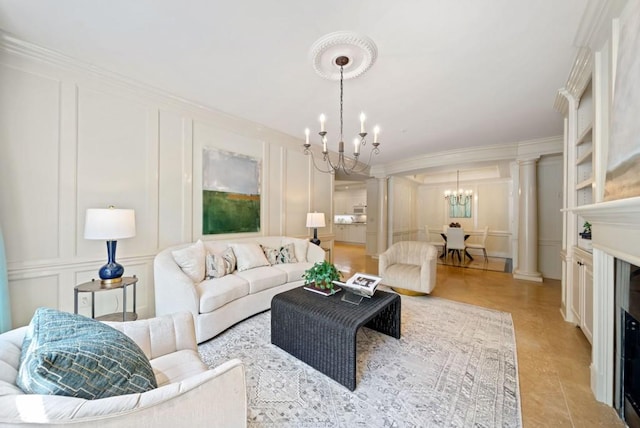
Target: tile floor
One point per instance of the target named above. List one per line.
(553, 356)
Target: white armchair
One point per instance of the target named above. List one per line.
(188, 393)
(409, 267)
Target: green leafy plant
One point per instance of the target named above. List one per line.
(323, 274)
(587, 227)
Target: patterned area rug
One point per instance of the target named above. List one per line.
(455, 365)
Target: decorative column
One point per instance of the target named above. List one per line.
(528, 222)
(383, 205)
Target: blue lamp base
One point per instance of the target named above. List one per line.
(111, 272)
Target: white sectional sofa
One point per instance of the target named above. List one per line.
(219, 303)
(188, 393)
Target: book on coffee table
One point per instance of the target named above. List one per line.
(361, 283)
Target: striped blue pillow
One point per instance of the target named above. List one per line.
(72, 355)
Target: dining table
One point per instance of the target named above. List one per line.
(444, 249)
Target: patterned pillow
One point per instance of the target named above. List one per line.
(219, 265)
(72, 355)
(284, 254)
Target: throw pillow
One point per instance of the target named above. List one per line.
(249, 256)
(192, 260)
(76, 356)
(284, 254)
(219, 265)
(301, 246)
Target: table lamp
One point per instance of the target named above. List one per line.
(315, 220)
(110, 224)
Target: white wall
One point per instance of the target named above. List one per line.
(73, 138)
(492, 206)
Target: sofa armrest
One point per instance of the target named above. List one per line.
(161, 335)
(215, 398)
(315, 253)
(174, 290)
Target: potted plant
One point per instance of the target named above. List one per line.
(586, 232)
(321, 275)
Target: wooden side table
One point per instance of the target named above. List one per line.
(96, 286)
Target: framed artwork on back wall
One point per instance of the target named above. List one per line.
(230, 192)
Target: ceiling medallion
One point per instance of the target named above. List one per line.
(361, 51)
(339, 56)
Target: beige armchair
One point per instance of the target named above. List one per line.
(188, 393)
(409, 267)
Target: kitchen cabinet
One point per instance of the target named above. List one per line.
(353, 233)
(581, 304)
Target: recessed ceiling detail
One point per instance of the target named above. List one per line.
(361, 51)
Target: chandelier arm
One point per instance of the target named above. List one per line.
(313, 159)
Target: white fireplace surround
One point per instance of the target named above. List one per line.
(615, 234)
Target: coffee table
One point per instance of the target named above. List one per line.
(321, 330)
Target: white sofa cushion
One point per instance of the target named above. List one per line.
(191, 260)
(249, 256)
(294, 271)
(217, 292)
(177, 366)
(262, 278)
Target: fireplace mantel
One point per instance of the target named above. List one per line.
(623, 212)
(615, 230)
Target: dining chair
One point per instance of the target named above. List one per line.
(455, 241)
(482, 245)
(439, 242)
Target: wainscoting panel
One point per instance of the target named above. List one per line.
(175, 170)
(28, 294)
(116, 153)
(29, 165)
(297, 200)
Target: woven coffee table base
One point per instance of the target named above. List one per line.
(321, 331)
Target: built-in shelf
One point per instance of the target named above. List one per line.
(586, 135)
(585, 183)
(586, 157)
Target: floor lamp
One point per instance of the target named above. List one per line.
(315, 220)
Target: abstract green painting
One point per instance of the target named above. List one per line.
(230, 192)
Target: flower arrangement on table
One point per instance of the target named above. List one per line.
(321, 276)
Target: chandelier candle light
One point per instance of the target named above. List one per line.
(458, 196)
(339, 45)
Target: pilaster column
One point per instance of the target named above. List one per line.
(383, 205)
(528, 222)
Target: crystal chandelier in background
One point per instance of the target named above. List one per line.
(458, 196)
(340, 45)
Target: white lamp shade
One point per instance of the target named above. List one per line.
(315, 220)
(109, 224)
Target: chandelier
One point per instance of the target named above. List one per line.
(458, 196)
(340, 45)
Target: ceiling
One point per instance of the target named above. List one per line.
(449, 74)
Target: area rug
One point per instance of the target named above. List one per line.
(455, 365)
(496, 264)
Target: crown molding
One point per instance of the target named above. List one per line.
(595, 25)
(86, 72)
(521, 150)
